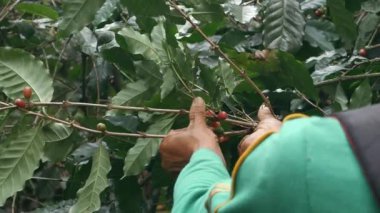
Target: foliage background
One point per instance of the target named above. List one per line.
(302, 54)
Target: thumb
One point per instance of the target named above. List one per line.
(197, 113)
(264, 113)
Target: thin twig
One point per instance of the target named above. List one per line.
(60, 55)
(373, 35)
(302, 96)
(6, 10)
(238, 132)
(373, 46)
(133, 108)
(46, 178)
(214, 46)
(347, 78)
(14, 203)
(76, 125)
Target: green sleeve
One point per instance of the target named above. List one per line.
(306, 167)
(197, 179)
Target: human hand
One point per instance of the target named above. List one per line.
(267, 122)
(178, 146)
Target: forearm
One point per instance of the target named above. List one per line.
(195, 181)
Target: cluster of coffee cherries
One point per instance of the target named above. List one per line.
(27, 92)
(214, 121)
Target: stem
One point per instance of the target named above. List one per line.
(302, 96)
(347, 78)
(133, 108)
(214, 46)
(76, 125)
(106, 133)
(46, 178)
(60, 55)
(14, 203)
(7, 9)
(373, 35)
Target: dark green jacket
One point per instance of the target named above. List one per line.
(306, 167)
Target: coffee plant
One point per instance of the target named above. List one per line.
(88, 88)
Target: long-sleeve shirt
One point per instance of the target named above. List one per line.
(306, 167)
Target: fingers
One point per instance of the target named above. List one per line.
(197, 114)
(264, 113)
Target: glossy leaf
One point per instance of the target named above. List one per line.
(37, 9)
(56, 132)
(145, 148)
(283, 25)
(132, 91)
(343, 20)
(105, 11)
(157, 50)
(138, 43)
(372, 6)
(19, 69)
(18, 160)
(58, 150)
(312, 4)
(227, 74)
(341, 98)
(89, 195)
(77, 14)
(367, 26)
(321, 33)
(362, 95)
(168, 84)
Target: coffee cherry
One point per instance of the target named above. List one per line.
(27, 92)
(20, 103)
(223, 138)
(222, 115)
(215, 124)
(219, 131)
(318, 12)
(101, 127)
(210, 113)
(363, 52)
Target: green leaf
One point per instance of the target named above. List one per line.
(294, 73)
(19, 69)
(138, 43)
(57, 151)
(56, 132)
(88, 195)
(321, 33)
(146, 7)
(168, 84)
(158, 51)
(362, 95)
(242, 13)
(283, 25)
(140, 154)
(77, 14)
(18, 160)
(372, 6)
(312, 4)
(340, 97)
(367, 26)
(343, 20)
(37, 9)
(132, 91)
(227, 75)
(105, 12)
